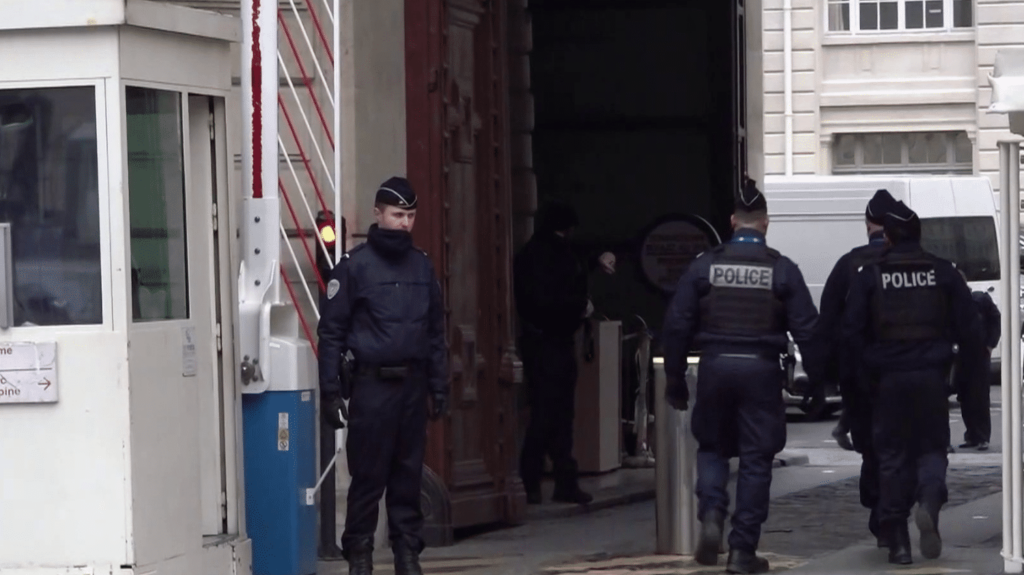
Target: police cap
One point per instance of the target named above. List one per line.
(881, 204)
(750, 199)
(397, 192)
(902, 224)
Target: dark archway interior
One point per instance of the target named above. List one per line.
(635, 120)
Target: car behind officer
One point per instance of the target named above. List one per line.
(844, 369)
(903, 315)
(736, 302)
(383, 304)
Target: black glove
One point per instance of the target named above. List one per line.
(439, 406)
(333, 411)
(677, 394)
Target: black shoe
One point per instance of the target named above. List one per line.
(927, 519)
(572, 495)
(899, 548)
(842, 438)
(881, 542)
(951, 450)
(407, 561)
(968, 445)
(330, 552)
(360, 559)
(710, 538)
(745, 562)
(983, 446)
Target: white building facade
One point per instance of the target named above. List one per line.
(884, 86)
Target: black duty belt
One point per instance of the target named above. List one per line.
(387, 372)
(745, 354)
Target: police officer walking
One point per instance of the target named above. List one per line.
(972, 376)
(383, 304)
(846, 370)
(550, 286)
(903, 314)
(736, 303)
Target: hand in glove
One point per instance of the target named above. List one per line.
(677, 394)
(333, 411)
(439, 406)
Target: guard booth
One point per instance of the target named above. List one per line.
(119, 409)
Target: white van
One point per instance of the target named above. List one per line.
(814, 220)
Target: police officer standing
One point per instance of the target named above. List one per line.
(844, 369)
(903, 314)
(383, 304)
(550, 286)
(736, 303)
(972, 376)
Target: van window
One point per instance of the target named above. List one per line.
(970, 243)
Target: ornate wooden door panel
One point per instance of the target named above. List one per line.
(457, 141)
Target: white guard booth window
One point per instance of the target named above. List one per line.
(116, 277)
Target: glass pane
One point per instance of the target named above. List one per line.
(933, 14)
(964, 152)
(963, 16)
(846, 150)
(892, 149)
(873, 149)
(889, 15)
(917, 149)
(839, 16)
(936, 148)
(915, 14)
(969, 242)
(869, 15)
(49, 193)
(156, 198)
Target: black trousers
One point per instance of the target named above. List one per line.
(739, 412)
(387, 434)
(857, 414)
(973, 394)
(911, 436)
(549, 365)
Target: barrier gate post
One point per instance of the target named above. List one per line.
(675, 468)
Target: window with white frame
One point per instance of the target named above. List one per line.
(914, 152)
(898, 15)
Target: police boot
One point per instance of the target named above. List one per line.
(899, 544)
(360, 558)
(710, 538)
(927, 519)
(407, 561)
(567, 488)
(745, 562)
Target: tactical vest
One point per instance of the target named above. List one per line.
(908, 303)
(741, 301)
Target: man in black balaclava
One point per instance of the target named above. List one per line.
(383, 304)
(845, 370)
(550, 285)
(903, 314)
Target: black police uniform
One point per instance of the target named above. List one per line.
(550, 287)
(903, 315)
(384, 304)
(844, 369)
(736, 303)
(972, 376)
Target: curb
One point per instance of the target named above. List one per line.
(613, 498)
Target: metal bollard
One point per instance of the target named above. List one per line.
(675, 469)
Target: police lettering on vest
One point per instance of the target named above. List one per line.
(908, 279)
(741, 276)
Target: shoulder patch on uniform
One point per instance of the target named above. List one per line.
(332, 288)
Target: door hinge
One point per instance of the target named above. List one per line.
(215, 219)
(211, 124)
(217, 334)
(223, 505)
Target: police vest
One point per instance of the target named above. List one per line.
(741, 301)
(908, 303)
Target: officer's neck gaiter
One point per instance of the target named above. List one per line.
(390, 244)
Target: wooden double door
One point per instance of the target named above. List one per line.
(458, 159)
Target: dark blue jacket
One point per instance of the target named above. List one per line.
(385, 308)
(858, 329)
(682, 330)
(991, 324)
(550, 286)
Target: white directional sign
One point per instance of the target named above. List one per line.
(28, 372)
